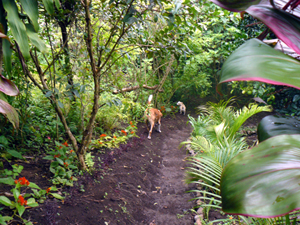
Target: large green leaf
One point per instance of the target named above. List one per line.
(17, 26)
(264, 181)
(5, 201)
(7, 52)
(235, 5)
(271, 126)
(49, 6)
(31, 8)
(8, 87)
(257, 61)
(10, 113)
(35, 39)
(15, 154)
(7, 180)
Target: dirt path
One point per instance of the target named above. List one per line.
(140, 183)
(170, 203)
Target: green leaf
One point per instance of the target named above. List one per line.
(33, 185)
(31, 8)
(49, 157)
(49, 6)
(15, 154)
(34, 38)
(10, 113)
(256, 61)
(7, 52)
(263, 181)
(16, 193)
(3, 140)
(8, 87)
(55, 195)
(17, 26)
(32, 203)
(57, 4)
(7, 180)
(4, 219)
(5, 201)
(271, 126)
(60, 161)
(60, 104)
(21, 209)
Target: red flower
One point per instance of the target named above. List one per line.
(102, 135)
(57, 156)
(132, 125)
(22, 201)
(71, 178)
(115, 136)
(132, 132)
(100, 142)
(66, 164)
(65, 144)
(130, 122)
(48, 189)
(171, 106)
(124, 132)
(49, 138)
(71, 151)
(22, 181)
(162, 108)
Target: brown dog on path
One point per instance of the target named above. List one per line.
(152, 116)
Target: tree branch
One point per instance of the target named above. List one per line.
(128, 89)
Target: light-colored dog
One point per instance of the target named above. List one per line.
(182, 108)
(152, 116)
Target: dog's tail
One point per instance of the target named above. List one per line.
(150, 99)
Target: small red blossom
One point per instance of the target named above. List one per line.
(102, 135)
(71, 178)
(71, 151)
(57, 156)
(132, 132)
(49, 138)
(130, 122)
(66, 164)
(115, 136)
(124, 132)
(100, 142)
(132, 125)
(171, 106)
(65, 144)
(162, 108)
(48, 189)
(21, 200)
(22, 181)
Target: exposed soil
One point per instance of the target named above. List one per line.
(140, 183)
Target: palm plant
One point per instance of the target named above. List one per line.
(216, 141)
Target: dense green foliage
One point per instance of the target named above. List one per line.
(173, 52)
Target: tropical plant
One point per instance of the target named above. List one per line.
(223, 118)
(215, 141)
(270, 162)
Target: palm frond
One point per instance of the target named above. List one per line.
(243, 114)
